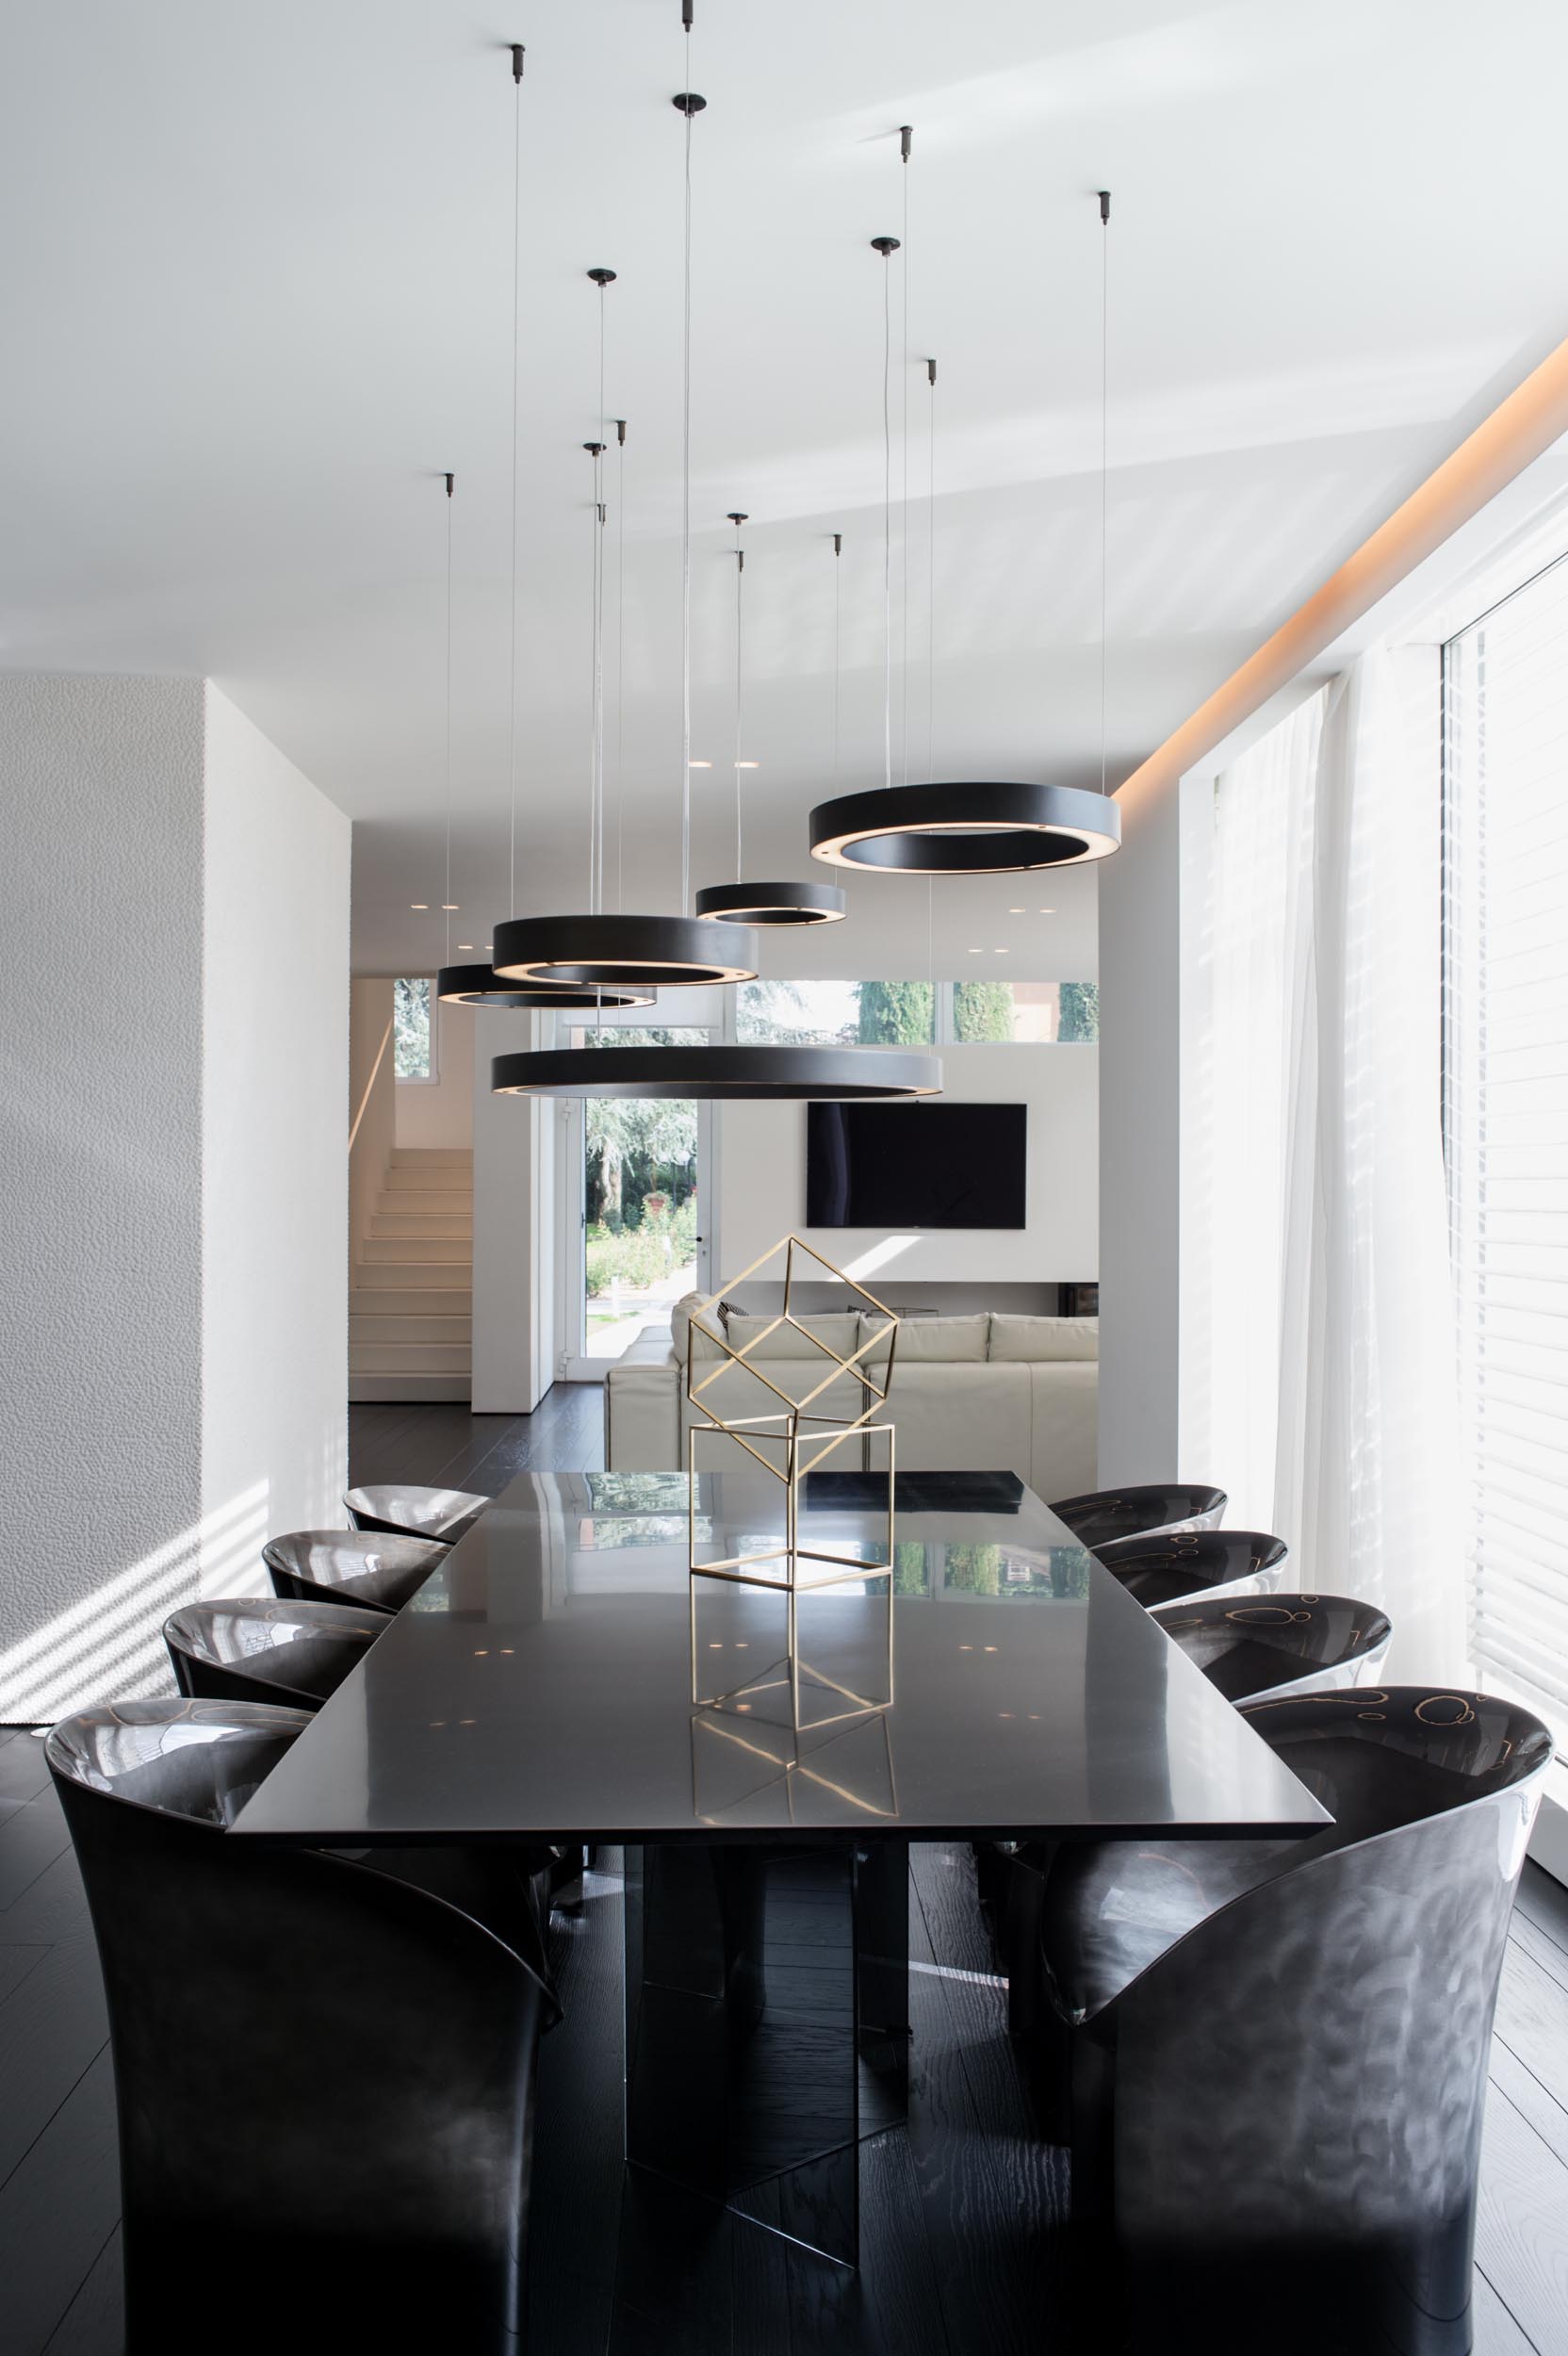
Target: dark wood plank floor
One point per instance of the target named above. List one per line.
(958, 2212)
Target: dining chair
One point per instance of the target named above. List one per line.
(443, 1513)
(1169, 1565)
(1278, 2050)
(1104, 1514)
(324, 2066)
(259, 1649)
(364, 1568)
(1253, 1648)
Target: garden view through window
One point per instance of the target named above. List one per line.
(413, 1034)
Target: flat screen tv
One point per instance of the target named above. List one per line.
(916, 1165)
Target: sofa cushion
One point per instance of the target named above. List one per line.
(1037, 1341)
(840, 1333)
(927, 1341)
(708, 1327)
(959, 1417)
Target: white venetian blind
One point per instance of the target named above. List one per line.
(1506, 1116)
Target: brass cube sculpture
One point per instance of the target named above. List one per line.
(800, 1448)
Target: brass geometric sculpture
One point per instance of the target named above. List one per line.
(801, 1440)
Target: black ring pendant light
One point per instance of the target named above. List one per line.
(609, 951)
(820, 1074)
(477, 985)
(967, 829)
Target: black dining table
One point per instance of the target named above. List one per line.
(563, 1680)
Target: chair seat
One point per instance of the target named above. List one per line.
(1164, 1568)
(369, 1568)
(439, 1513)
(1101, 1515)
(259, 1648)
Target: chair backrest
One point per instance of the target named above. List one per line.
(1339, 2009)
(253, 1648)
(1166, 1567)
(442, 1513)
(308, 2052)
(1249, 1646)
(374, 1569)
(1105, 1514)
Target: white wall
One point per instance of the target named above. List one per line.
(761, 1179)
(441, 1112)
(172, 1306)
(514, 1354)
(1140, 1115)
(274, 1167)
(373, 1101)
(100, 1173)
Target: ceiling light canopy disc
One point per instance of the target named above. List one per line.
(845, 1074)
(479, 986)
(612, 952)
(772, 904)
(965, 828)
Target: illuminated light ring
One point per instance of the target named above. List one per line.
(810, 1074)
(966, 829)
(478, 985)
(775, 903)
(612, 952)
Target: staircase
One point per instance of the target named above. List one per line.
(411, 1302)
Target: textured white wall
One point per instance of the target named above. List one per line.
(174, 962)
(761, 1179)
(101, 1177)
(276, 1204)
(441, 1112)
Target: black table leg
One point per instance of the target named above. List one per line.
(767, 2024)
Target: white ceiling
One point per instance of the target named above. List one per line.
(256, 293)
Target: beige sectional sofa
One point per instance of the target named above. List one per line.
(986, 1393)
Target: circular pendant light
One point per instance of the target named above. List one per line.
(610, 952)
(966, 829)
(846, 1075)
(774, 903)
(478, 985)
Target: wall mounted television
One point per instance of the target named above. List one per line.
(916, 1165)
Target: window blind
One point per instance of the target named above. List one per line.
(1506, 1124)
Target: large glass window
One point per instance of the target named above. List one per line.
(916, 1014)
(413, 1027)
(639, 1199)
(1506, 1119)
(1036, 1014)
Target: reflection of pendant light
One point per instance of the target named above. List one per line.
(601, 949)
(761, 903)
(970, 827)
(477, 985)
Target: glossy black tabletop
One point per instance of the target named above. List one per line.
(540, 1684)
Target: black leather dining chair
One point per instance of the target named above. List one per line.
(1166, 1567)
(1252, 1647)
(1278, 2050)
(1102, 1514)
(443, 1513)
(324, 2067)
(364, 1568)
(253, 1648)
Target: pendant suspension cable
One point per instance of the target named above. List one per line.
(446, 895)
(1105, 452)
(887, 247)
(596, 726)
(905, 146)
(516, 334)
(737, 517)
(838, 642)
(620, 650)
(690, 106)
(931, 578)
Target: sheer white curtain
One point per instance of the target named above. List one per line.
(1318, 1358)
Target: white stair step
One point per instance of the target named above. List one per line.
(413, 1357)
(387, 1226)
(432, 1157)
(367, 1327)
(441, 1299)
(366, 1388)
(424, 1178)
(416, 1251)
(424, 1203)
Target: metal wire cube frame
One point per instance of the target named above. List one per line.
(803, 1449)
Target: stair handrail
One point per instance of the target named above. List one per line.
(370, 1084)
